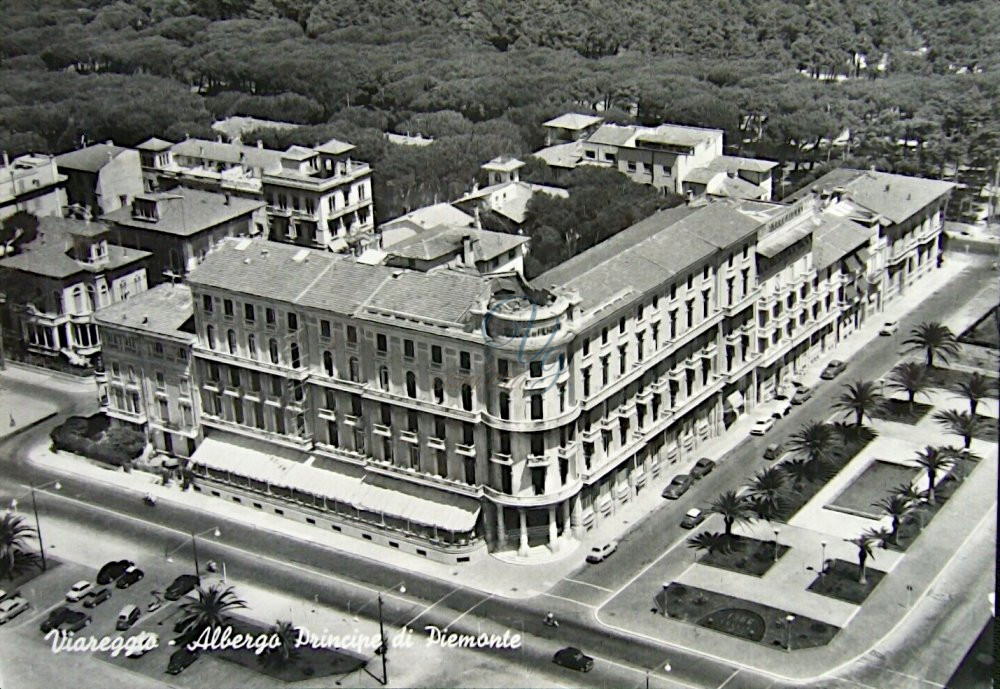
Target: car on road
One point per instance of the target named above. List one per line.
(773, 451)
(180, 586)
(600, 553)
(129, 577)
(702, 467)
(678, 486)
(97, 597)
(693, 518)
(55, 618)
(80, 590)
(889, 328)
(781, 405)
(833, 369)
(11, 608)
(112, 570)
(762, 425)
(574, 659)
(74, 622)
(144, 643)
(802, 393)
(181, 659)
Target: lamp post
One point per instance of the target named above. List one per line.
(383, 648)
(776, 532)
(34, 508)
(194, 547)
(788, 624)
(666, 668)
(822, 562)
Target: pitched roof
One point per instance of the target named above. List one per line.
(736, 188)
(48, 255)
(155, 144)
(510, 199)
(737, 163)
(334, 147)
(185, 212)
(503, 164)
(611, 135)
(296, 152)
(561, 155)
(232, 154)
(675, 135)
(442, 295)
(443, 240)
(91, 158)
(166, 309)
(574, 121)
(836, 238)
(431, 216)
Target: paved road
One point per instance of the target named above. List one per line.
(306, 569)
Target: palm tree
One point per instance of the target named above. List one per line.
(211, 607)
(975, 388)
(898, 507)
(710, 542)
(880, 536)
(909, 377)
(934, 461)
(864, 545)
(765, 491)
(734, 508)
(908, 492)
(799, 470)
(814, 440)
(286, 651)
(961, 423)
(14, 556)
(935, 340)
(860, 398)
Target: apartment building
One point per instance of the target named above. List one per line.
(100, 178)
(315, 197)
(56, 282)
(32, 184)
(145, 379)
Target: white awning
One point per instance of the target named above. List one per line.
(735, 399)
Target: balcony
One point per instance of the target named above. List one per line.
(409, 437)
(538, 460)
(352, 420)
(436, 443)
(467, 450)
(502, 458)
(381, 429)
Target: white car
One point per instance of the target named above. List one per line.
(11, 608)
(600, 553)
(80, 590)
(889, 328)
(782, 402)
(762, 425)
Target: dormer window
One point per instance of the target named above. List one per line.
(145, 209)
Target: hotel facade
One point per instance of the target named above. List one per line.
(452, 413)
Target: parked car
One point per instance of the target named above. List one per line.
(181, 659)
(889, 328)
(773, 451)
(97, 597)
(762, 425)
(802, 393)
(127, 616)
(74, 622)
(11, 608)
(782, 402)
(678, 486)
(55, 618)
(600, 553)
(833, 369)
(112, 570)
(130, 576)
(80, 590)
(144, 643)
(181, 586)
(574, 659)
(702, 467)
(693, 518)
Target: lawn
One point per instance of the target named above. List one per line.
(741, 618)
(877, 481)
(948, 378)
(901, 411)
(912, 527)
(986, 429)
(29, 573)
(747, 556)
(984, 332)
(841, 581)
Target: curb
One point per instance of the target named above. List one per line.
(31, 425)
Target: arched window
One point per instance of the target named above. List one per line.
(105, 300)
(252, 345)
(411, 385)
(231, 341)
(294, 352)
(328, 363)
(504, 405)
(467, 397)
(536, 406)
(383, 377)
(439, 391)
(210, 336)
(355, 370)
(91, 298)
(272, 350)
(78, 299)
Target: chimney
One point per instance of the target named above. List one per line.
(260, 144)
(468, 251)
(479, 222)
(6, 159)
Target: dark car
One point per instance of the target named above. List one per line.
(112, 570)
(693, 518)
(180, 659)
(832, 370)
(574, 659)
(180, 586)
(97, 597)
(773, 451)
(677, 487)
(802, 393)
(131, 576)
(702, 467)
(55, 618)
(74, 621)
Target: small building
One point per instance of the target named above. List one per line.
(146, 381)
(180, 227)
(464, 248)
(414, 222)
(506, 194)
(100, 178)
(56, 282)
(31, 183)
(570, 127)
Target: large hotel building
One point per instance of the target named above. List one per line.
(438, 403)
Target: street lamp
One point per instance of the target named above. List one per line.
(34, 508)
(194, 547)
(788, 623)
(822, 562)
(776, 532)
(383, 649)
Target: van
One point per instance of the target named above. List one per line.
(128, 616)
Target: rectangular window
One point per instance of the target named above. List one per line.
(436, 356)
(586, 346)
(248, 313)
(269, 317)
(206, 303)
(324, 329)
(408, 350)
(381, 343)
(352, 335)
(227, 307)
(293, 321)
(465, 361)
